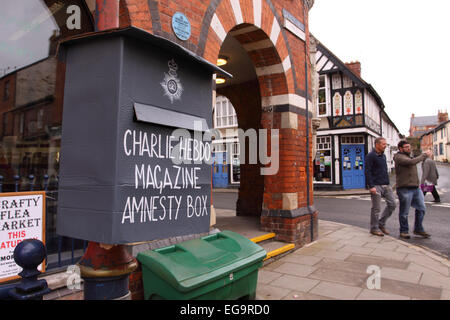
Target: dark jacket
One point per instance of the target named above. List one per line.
(406, 170)
(429, 172)
(376, 170)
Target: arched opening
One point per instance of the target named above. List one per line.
(258, 73)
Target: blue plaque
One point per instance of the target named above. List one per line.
(181, 26)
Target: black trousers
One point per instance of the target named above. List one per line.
(434, 193)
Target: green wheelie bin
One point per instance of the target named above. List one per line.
(222, 266)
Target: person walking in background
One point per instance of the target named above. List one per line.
(430, 176)
(377, 178)
(408, 191)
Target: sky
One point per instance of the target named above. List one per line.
(403, 47)
(25, 27)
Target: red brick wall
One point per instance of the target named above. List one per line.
(297, 230)
(427, 142)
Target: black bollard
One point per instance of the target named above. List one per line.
(31, 177)
(46, 182)
(16, 183)
(29, 254)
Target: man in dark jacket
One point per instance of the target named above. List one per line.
(408, 191)
(377, 178)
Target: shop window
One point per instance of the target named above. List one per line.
(323, 160)
(40, 118)
(28, 149)
(352, 140)
(6, 91)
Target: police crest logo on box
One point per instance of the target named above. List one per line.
(171, 84)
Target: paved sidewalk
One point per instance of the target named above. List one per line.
(335, 267)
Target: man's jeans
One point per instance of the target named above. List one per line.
(386, 193)
(411, 197)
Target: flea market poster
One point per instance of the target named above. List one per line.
(22, 216)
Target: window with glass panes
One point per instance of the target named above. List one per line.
(225, 115)
(323, 160)
(322, 103)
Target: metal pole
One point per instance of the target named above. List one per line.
(308, 176)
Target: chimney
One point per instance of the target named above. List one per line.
(53, 40)
(355, 67)
(442, 116)
(106, 14)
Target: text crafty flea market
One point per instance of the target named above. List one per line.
(13, 216)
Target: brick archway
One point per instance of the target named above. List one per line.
(246, 97)
(275, 36)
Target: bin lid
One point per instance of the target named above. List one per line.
(192, 263)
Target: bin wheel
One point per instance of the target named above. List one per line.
(155, 297)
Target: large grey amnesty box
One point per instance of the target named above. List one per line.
(126, 92)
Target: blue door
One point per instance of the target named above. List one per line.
(353, 166)
(220, 170)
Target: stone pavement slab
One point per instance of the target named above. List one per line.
(414, 291)
(356, 249)
(367, 294)
(333, 254)
(303, 259)
(340, 276)
(294, 283)
(400, 275)
(429, 263)
(267, 292)
(265, 276)
(336, 291)
(388, 254)
(349, 266)
(378, 261)
(445, 295)
(295, 269)
(435, 281)
(294, 295)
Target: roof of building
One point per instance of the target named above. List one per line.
(327, 62)
(424, 121)
(439, 127)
